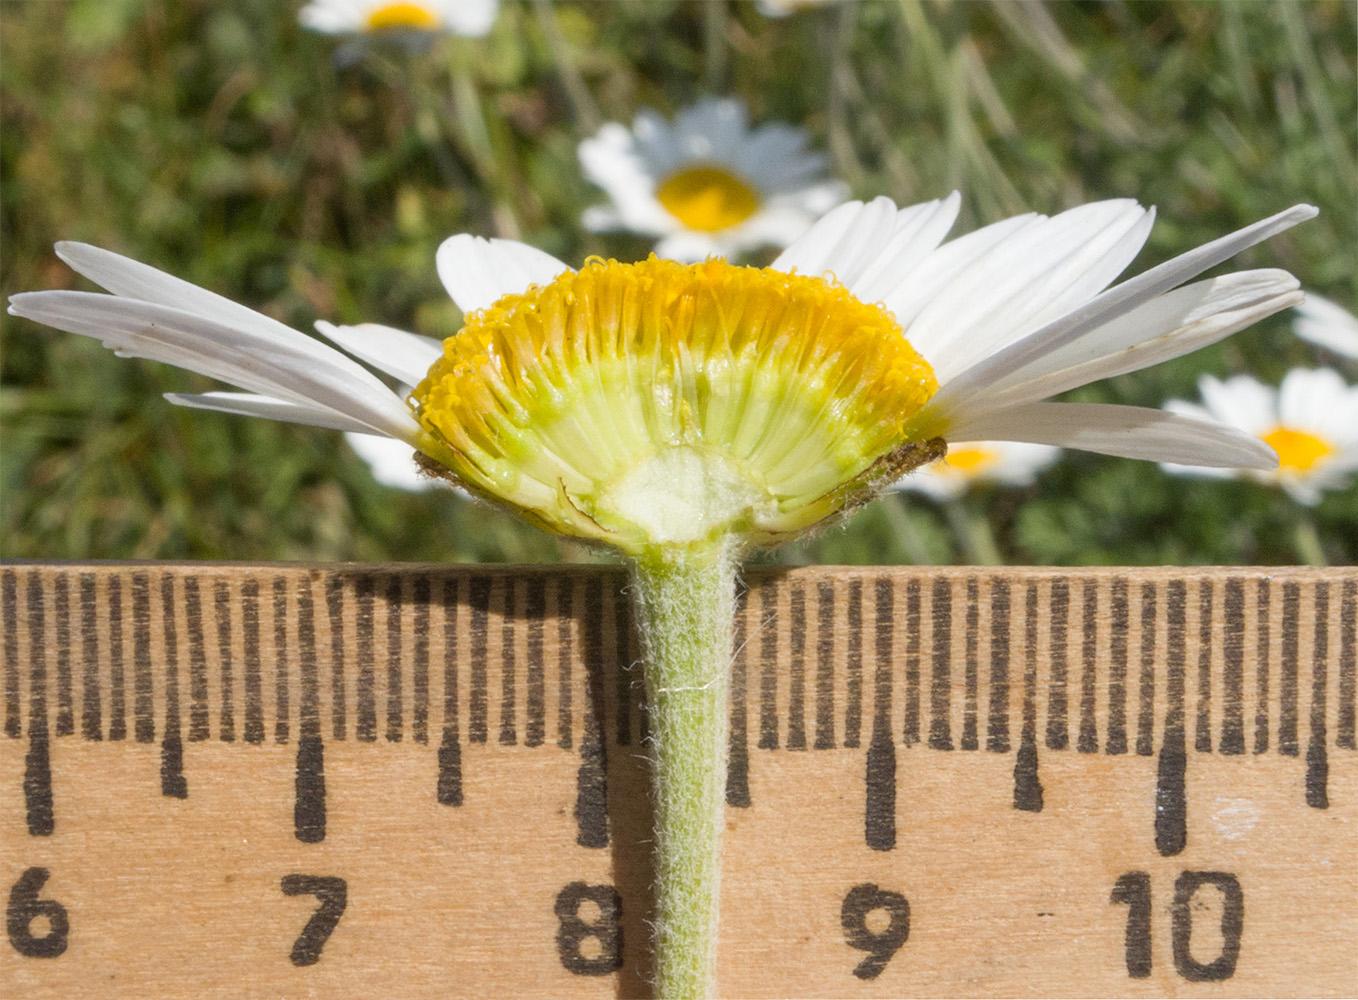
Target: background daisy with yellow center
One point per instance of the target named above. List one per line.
(1310, 420)
(706, 183)
(1003, 463)
(470, 18)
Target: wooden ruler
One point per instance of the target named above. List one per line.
(355, 781)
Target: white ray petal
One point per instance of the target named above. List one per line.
(132, 279)
(919, 230)
(1124, 431)
(403, 355)
(1166, 327)
(241, 357)
(251, 404)
(945, 263)
(1114, 302)
(1039, 272)
(1330, 325)
(477, 271)
(810, 251)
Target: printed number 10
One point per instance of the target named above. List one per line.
(1134, 889)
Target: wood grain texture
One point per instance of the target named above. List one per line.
(938, 780)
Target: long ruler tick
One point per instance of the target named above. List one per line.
(1199, 725)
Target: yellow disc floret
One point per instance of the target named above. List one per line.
(662, 403)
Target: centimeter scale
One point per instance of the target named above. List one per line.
(391, 780)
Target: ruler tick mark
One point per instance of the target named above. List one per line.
(199, 726)
(1118, 627)
(853, 664)
(38, 761)
(1027, 787)
(365, 725)
(825, 665)
(1088, 741)
(395, 650)
(1317, 760)
(221, 608)
(1233, 669)
(738, 751)
(940, 691)
(1287, 686)
(419, 652)
(281, 660)
(91, 721)
(997, 729)
(65, 723)
(879, 816)
(971, 675)
(1058, 737)
(254, 695)
(1145, 721)
(1348, 675)
(796, 696)
(449, 790)
(145, 726)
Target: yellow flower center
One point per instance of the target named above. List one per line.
(402, 15)
(662, 403)
(971, 460)
(708, 198)
(1297, 451)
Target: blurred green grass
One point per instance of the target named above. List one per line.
(223, 143)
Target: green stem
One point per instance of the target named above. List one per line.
(685, 601)
(974, 534)
(1307, 541)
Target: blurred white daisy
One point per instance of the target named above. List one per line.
(629, 402)
(1327, 324)
(472, 18)
(391, 462)
(1311, 421)
(1007, 463)
(707, 184)
(782, 8)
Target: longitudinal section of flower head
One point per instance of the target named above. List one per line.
(663, 403)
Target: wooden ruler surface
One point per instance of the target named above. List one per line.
(396, 780)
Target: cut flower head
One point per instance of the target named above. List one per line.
(660, 404)
(707, 184)
(1310, 420)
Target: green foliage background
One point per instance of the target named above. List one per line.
(310, 178)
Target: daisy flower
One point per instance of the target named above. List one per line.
(782, 8)
(1008, 463)
(1311, 421)
(1327, 324)
(390, 461)
(683, 413)
(472, 18)
(707, 184)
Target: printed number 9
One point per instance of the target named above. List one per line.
(881, 945)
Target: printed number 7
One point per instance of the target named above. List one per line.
(333, 894)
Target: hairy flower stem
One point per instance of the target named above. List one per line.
(685, 600)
